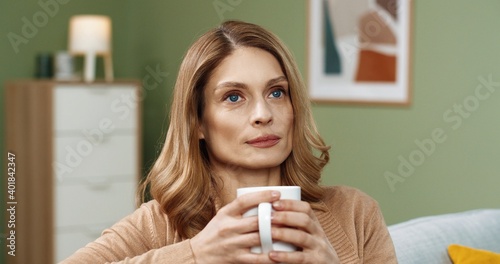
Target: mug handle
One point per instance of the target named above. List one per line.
(266, 240)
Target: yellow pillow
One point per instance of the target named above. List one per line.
(464, 255)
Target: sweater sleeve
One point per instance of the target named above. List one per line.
(378, 246)
(142, 237)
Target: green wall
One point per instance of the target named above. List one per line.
(454, 44)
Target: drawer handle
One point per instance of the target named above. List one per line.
(96, 136)
(98, 90)
(99, 183)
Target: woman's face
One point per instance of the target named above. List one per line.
(248, 118)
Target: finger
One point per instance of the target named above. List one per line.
(293, 205)
(247, 201)
(253, 258)
(289, 257)
(237, 249)
(297, 220)
(245, 241)
(293, 236)
(243, 225)
(313, 250)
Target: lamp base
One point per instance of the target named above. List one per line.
(89, 67)
(108, 67)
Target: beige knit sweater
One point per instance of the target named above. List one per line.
(352, 222)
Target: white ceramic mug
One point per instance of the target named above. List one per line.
(264, 212)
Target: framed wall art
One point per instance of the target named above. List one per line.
(359, 51)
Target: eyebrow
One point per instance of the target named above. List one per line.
(244, 86)
(276, 80)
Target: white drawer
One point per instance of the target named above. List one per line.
(81, 156)
(78, 107)
(69, 241)
(92, 204)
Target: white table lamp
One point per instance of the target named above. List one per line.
(90, 36)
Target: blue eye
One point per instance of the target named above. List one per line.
(233, 98)
(277, 94)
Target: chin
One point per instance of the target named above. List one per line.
(264, 164)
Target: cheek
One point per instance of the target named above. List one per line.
(222, 128)
(288, 117)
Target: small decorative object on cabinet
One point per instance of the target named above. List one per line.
(77, 154)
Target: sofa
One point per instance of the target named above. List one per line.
(426, 239)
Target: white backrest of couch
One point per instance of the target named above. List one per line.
(425, 240)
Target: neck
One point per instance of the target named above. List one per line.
(233, 178)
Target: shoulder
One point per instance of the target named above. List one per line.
(152, 220)
(148, 213)
(151, 207)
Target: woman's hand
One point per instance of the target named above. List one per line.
(228, 237)
(295, 222)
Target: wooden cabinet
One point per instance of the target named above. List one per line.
(77, 149)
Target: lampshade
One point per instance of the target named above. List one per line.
(90, 34)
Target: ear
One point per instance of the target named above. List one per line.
(201, 132)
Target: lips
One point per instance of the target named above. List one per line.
(266, 141)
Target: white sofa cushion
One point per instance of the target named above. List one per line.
(426, 239)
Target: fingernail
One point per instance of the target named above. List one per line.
(275, 194)
(277, 204)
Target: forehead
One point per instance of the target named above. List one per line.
(247, 65)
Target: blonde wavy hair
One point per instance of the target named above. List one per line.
(181, 180)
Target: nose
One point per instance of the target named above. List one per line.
(261, 114)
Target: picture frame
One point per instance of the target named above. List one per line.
(359, 51)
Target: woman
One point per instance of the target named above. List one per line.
(241, 117)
